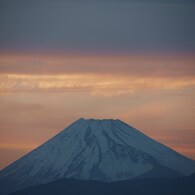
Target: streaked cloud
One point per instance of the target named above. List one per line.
(106, 85)
(145, 65)
(102, 75)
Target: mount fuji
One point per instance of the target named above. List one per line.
(104, 150)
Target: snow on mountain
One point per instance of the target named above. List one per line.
(106, 150)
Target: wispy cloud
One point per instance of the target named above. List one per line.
(95, 84)
(95, 74)
(149, 65)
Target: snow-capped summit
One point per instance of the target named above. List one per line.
(106, 150)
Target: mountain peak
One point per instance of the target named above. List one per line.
(98, 123)
(99, 120)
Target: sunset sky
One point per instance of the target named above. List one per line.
(62, 60)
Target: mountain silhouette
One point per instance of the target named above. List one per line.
(104, 150)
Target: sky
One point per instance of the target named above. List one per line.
(129, 60)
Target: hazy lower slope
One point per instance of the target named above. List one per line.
(106, 150)
(157, 186)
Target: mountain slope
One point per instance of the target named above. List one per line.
(160, 186)
(106, 150)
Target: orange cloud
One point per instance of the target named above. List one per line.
(131, 65)
(95, 84)
(102, 75)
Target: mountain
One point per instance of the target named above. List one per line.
(149, 186)
(105, 150)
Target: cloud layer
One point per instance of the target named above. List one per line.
(145, 65)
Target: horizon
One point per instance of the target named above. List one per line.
(132, 60)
